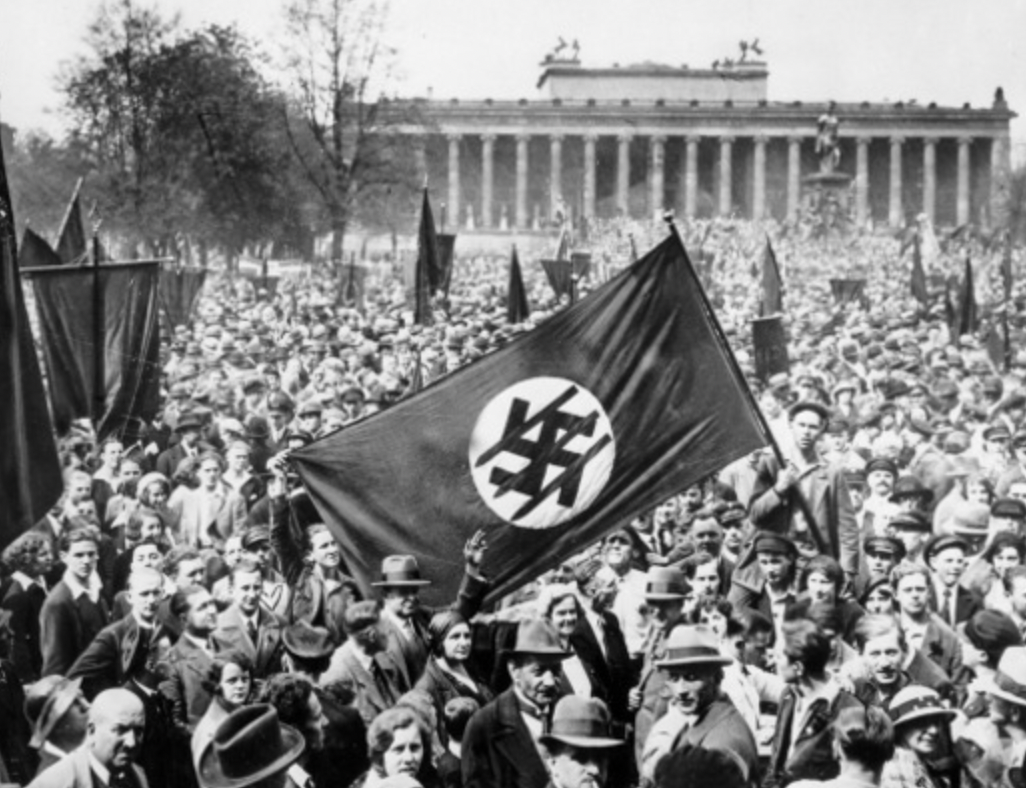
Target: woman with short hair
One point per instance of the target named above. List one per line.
(230, 683)
(399, 744)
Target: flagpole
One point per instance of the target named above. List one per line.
(99, 334)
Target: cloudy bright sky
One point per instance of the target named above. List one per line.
(948, 51)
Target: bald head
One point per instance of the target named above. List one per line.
(116, 723)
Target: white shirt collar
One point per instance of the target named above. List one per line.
(27, 582)
(101, 771)
(77, 589)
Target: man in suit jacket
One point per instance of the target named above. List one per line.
(699, 715)
(74, 612)
(121, 649)
(191, 657)
(363, 660)
(249, 627)
(580, 744)
(924, 630)
(107, 758)
(946, 557)
(404, 620)
(500, 745)
(188, 430)
(707, 534)
(807, 499)
(210, 513)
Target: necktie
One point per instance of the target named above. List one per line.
(252, 630)
(120, 779)
(949, 609)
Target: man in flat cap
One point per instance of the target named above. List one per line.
(806, 499)
(945, 555)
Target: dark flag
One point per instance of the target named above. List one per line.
(560, 276)
(517, 308)
(1006, 267)
(36, 252)
(353, 286)
(968, 319)
(417, 376)
(580, 263)
(919, 289)
(849, 291)
(30, 473)
(446, 255)
(179, 289)
(426, 272)
(569, 431)
(769, 341)
(73, 240)
(772, 284)
(121, 356)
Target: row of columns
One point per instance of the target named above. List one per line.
(657, 154)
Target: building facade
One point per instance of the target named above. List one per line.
(636, 141)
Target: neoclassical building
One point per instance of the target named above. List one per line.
(704, 142)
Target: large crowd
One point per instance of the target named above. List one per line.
(846, 608)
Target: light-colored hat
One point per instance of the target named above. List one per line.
(1010, 680)
(916, 702)
(400, 570)
(692, 645)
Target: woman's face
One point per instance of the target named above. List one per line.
(405, 753)
(880, 602)
(716, 621)
(43, 561)
(157, 494)
(235, 684)
(923, 737)
(821, 588)
(456, 646)
(1005, 559)
(564, 616)
(977, 492)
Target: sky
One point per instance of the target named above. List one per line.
(948, 51)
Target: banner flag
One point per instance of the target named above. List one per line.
(73, 240)
(849, 291)
(567, 432)
(30, 472)
(446, 257)
(36, 252)
(179, 289)
(130, 350)
(517, 308)
(426, 271)
(353, 286)
(920, 291)
(560, 276)
(772, 284)
(769, 340)
(968, 315)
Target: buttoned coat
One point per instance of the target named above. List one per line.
(189, 666)
(723, 728)
(370, 701)
(189, 506)
(115, 653)
(498, 750)
(232, 633)
(64, 632)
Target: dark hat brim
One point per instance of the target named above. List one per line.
(211, 774)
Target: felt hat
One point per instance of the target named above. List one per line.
(692, 645)
(910, 521)
(916, 702)
(400, 570)
(663, 583)
(250, 745)
(306, 641)
(537, 636)
(188, 421)
(581, 722)
(911, 487)
(46, 701)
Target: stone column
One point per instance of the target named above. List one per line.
(930, 178)
(589, 175)
(895, 212)
(1000, 151)
(420, 158)
(555, 172)
(759, 178)
(726, 174)
(487, 179)
(862, 180)
(623, 174)
(691, 177)
(794, 169)
(657, 159)
(453, 209)
(962, 211)
(521, 213)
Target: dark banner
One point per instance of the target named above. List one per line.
(30, 473)
(569, 431)
(772, 284)
(352, 286)
(179, 289)
(73, 244)
(446, 257)
(517, 308)
(770, 342)
(424, 282)
(35, 252)
(849, 291)
(560, 276)
(128, 351)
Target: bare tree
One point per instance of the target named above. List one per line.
(339, 68)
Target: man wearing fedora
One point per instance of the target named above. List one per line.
(251, 747)
(579, 744)
(188, 429)
(698, 715)
(58, 713)
(405, 621)
(804, 498)
(665, 592)
(501, 742)
(107, 757)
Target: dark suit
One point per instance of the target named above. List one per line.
(168, 460)
(374, 693)
(941, 646)
(25, 605)
(189, 666)
(810, 755)
(67, 626)
(611, 672)
(162, 754)
(967, 604)
(498, 750)
(723, 728)
(116, 654)
(232, 632)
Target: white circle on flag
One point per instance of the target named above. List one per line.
(541, 452)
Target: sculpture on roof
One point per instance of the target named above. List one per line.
(749, 46)
(557, 54)
(828, 144)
